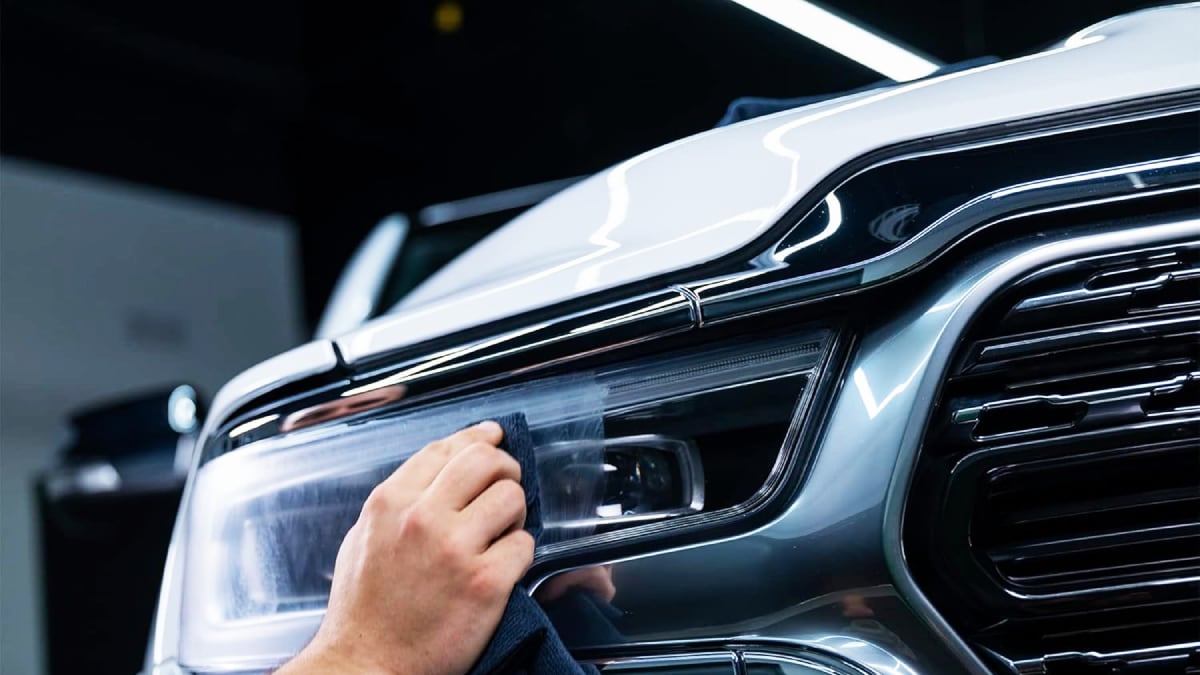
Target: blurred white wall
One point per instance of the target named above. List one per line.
(108, 287)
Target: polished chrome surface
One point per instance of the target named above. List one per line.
(1167, 264)
(782, 663)
(1166, 656)
(667, 664)
(1126, 401)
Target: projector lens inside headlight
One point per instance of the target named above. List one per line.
(645, 443)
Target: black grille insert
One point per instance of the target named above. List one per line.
(1091, 520)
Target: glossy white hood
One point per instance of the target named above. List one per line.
(691, 201)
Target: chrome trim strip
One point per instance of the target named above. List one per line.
(871, 661)
(1181, 650)
(1018, 347)
(636, 663)
(626, 322)
(1133, 392)
(1166, 259)
(1105, 590)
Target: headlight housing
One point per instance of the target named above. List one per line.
(625, 453)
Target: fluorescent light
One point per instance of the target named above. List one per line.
(848, 39)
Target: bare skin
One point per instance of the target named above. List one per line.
(422, 578)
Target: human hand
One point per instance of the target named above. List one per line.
(422, 578)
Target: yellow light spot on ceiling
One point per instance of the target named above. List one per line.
(448, 17)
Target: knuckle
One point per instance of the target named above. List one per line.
(485, 582)
(466, 438)
(511, 467)
(511, 494)
(481, 452)
(452, 552)
(416, 522)
(367, 537)
(469, 435)
(481, 459)
(378, 503)
(438, 447)
(503, 464)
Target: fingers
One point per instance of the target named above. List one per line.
(474, 469)
(499, 509)
(511, 556)
(421, 469)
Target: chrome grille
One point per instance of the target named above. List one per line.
(1059, 486)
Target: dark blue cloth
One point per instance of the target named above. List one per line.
(525, 641)
(583, 618)
(749, 107)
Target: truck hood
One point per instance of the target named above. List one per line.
(694, 200)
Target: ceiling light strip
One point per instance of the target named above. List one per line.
(844, 37)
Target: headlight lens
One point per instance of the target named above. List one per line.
(640, 445)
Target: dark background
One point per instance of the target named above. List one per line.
(336, 114)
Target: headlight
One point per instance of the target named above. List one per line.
(624, 453)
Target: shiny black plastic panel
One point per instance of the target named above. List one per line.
(895, 216)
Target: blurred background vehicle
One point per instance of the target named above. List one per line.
(183, 186)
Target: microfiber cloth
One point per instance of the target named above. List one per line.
(525, 641)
